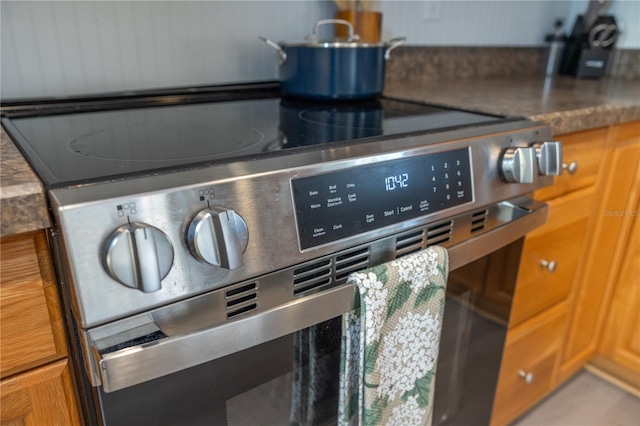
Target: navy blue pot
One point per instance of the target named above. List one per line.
(336, 70)
(333, 72)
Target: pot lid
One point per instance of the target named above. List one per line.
(352, 40)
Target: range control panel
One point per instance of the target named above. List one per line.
(340, 204)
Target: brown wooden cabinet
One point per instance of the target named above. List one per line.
(618, 351)
(36, 386)
(586, 312)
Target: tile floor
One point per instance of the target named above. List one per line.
(585, 400)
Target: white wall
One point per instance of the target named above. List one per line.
(474, 22)
(499, 22)
(56, 48)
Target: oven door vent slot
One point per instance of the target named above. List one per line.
(311, 277)
(479, 220)
(241, 299)
(351, 262)
(439, 233)
(409, 243)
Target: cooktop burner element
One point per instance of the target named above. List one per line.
(167, 142)
(81, 145)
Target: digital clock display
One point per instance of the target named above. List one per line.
(396, 181)
(344, 203)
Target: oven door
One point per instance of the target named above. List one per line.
(294, 379)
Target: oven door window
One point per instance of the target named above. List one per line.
(292, 380)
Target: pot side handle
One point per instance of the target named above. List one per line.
(282, 55)
(392, 44)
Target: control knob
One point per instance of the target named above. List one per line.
(218, 236)
(138, 255)
(517, 165)
(549, 155)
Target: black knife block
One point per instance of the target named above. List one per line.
(579, 58)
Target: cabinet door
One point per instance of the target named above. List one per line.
(608, 230)
(43, 396)
(32, 331)
(619, 348)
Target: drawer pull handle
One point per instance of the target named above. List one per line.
(528, 377)
(549, 265)
(571, 168)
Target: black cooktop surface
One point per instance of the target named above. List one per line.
(76, 147)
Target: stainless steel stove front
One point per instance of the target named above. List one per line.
(170, 272)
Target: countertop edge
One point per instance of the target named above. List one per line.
(23, 204)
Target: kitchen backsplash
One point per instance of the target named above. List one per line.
(428, 63)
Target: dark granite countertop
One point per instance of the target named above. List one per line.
(23, 206)
(567, 104)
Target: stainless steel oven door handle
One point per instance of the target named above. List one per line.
(128, 367)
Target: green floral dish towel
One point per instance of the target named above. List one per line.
(390, 343)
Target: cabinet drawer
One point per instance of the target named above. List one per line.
(31, 324)
(528, 363)
(42, 396)
(559, 241)
(585, 149)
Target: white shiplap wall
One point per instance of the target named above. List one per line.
(54, 48)
(61, 48)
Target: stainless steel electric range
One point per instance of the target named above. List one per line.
(201, 235)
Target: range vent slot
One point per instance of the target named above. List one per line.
(241, 299)
(440, 233)
(479, 220)
(350, 262)
(311, 277)
(409, 243)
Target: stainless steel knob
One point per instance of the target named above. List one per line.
(139, 256)
(517, 165)
(218, 236)
(571, 168)
(549, 265)
(549, 156)
(528, 377)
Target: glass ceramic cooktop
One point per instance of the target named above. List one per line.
(94, 146)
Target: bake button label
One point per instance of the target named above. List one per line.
(313, 192)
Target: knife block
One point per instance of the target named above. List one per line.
(367, 24)
(579, 58)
